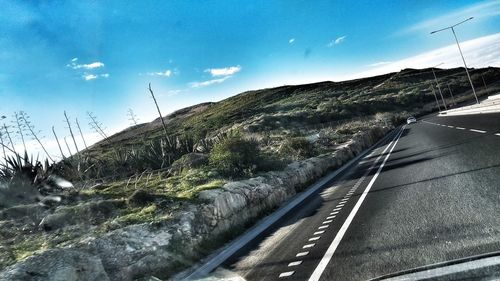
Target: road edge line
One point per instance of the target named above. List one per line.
(320, 268)
(234, 246)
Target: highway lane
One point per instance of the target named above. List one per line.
(435, 199)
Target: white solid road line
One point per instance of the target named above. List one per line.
(336, 241)
(477, 131)
(295, 263)
(286, 274)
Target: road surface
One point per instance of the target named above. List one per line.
(428, 194)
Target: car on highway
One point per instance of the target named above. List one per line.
(411, 120)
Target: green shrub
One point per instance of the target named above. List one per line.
(297, 148)
(235, 156)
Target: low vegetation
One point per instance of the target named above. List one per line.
(149, 171)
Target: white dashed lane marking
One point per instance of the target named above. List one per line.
(477, 131)
(323, 226)
(337, 209)
(301, 254)
(286, 274)
(330, 217)
(327, 221)
(314, 238)
(308, 246)
(319, 232)
(497, 134)
(460, 128)
(295, 263)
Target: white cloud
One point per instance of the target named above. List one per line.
(337, 41)
(215, 72)
(89, 76)
(166, 73)
(379, 63)
(89, 66)
(208, 82)
(480, 52)
(480, 11)
(291, 40)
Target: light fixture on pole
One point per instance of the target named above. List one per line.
(460, 50)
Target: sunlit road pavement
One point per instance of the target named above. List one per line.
(436, 198)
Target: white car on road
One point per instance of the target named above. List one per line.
(411, 120)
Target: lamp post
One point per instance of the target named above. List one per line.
(460, 50)
(437, 84)
(435, 96)
(451, 93)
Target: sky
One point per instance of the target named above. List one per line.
(99, 56)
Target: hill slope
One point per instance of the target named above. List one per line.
(312, 104)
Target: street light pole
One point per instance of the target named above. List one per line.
(451, 93)
(437, 84)
(435, 96)
(461, 54)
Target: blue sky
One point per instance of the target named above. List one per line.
(99, 56)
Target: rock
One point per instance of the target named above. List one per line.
(57, 265)
(86, 213)
(135, 251)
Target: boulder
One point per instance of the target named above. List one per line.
(57, 265)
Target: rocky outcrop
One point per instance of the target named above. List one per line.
(57, 265)
(163, 248)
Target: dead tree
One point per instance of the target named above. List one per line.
(58, 144)
(159, 113)
(31, 129)
(70, 131)
(67, 146)
(81, 134)
(96, 125)
(20, 129)
(132, 117)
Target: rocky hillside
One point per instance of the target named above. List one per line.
(141, 203)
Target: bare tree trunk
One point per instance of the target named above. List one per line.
(67, 146)
(159, 113)
(30, 128)
(71, 131)
(10, 139)
(19, 129)
(58, 144)
(80, 130)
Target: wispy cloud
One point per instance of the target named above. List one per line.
(480, 11)
(90, 76)
(291, 40)
(379, 63)
(480, 52)
(338, 40)
(217, 72)
(88, 66)
(208, 82)
(166, 73)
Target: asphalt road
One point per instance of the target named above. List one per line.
(436, 198)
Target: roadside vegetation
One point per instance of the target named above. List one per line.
(148, 172)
